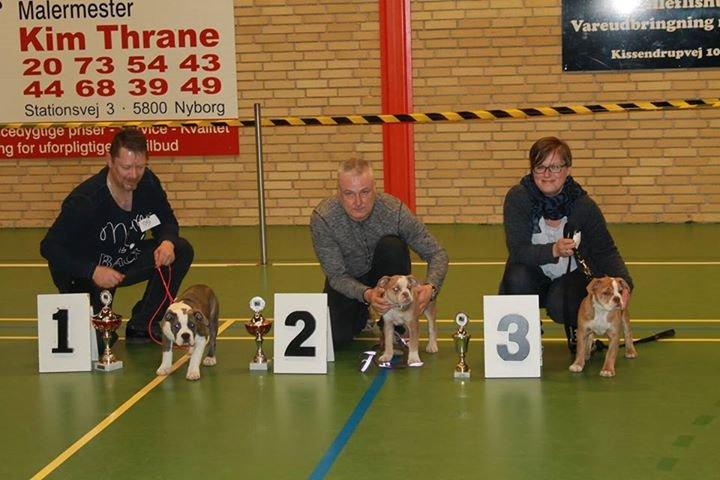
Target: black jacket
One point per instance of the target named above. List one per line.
(596, 246)
(78, 239)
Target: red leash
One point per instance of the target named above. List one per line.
(168, 296)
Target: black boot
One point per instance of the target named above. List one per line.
(571, 334)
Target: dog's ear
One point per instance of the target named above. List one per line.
(383, 281)
(593, 285)
(622, 283)
(200, 318)
(412, 281)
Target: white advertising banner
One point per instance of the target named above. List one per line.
(115, 60)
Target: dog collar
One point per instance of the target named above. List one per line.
(402, 308)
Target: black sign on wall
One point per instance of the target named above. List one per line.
(640, 34)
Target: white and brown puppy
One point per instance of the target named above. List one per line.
(192, 321)
(404, 311)
(603, 312)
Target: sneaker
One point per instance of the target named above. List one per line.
(399, 340)
(400, 330)
(369, 325)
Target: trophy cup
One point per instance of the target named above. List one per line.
(258, 327)
(106, 321)
(461, 339)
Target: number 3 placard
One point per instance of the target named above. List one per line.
(301, 333)
(64, 333)
(512, 336)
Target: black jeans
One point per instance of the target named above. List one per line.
(347, 315)
(141, 270)
(560, 297)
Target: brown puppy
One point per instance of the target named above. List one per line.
(399, 292)
(192, 321)
(602, 312)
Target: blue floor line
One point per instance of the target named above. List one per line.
(342, 438)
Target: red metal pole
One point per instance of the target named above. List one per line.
(396, 81)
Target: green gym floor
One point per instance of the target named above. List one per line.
(658, 418)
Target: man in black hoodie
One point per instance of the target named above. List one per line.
(100, 240)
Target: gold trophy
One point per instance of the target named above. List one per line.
(106, 321)
(258, 327)
(461, 339)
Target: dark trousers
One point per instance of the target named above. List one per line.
(560, 297)
(141, 270)
(349, 316)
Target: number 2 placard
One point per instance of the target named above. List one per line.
(301, 333)
(512, 336)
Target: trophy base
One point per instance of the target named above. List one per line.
(462, 375)
(108, 367)
(258, 367)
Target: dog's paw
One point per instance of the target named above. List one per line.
(163, 371)
(607, 373)
(209, 361)
(414, 361)
(575, 368)
(385, 358)
(431, 347)
(631, 353)
(193, 374)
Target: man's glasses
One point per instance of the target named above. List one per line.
(553, 168)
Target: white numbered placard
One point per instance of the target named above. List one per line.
(301, 341)
(64, 332)
(512, 336)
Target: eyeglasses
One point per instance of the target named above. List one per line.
(553, 168)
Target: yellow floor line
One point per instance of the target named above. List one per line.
(223, 265)
(316, 264)
(124, 320)
(107, 421)
(440, 320)
(374, 339)
(500, 263)
(563, 340)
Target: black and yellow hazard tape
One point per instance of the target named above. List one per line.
(460, 116)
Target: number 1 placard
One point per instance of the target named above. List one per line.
(64, 332)
(301, 333)
(512, 336)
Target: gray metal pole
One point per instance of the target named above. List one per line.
(260, 184)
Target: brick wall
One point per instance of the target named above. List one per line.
(321, 57)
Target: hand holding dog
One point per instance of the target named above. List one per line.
(563, 247)
(423, 294)
(106, 277)
(164, 254)
(377, 300)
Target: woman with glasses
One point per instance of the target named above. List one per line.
(541, 215)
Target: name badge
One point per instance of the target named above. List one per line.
(148, 222)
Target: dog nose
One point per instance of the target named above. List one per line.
(185, 336)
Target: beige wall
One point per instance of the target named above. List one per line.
(321, 57)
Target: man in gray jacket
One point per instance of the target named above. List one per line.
(359, 236)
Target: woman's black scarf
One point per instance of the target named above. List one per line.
(555, 207)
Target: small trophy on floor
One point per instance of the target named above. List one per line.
(106, 322)
(258, 326)
(461, 339)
